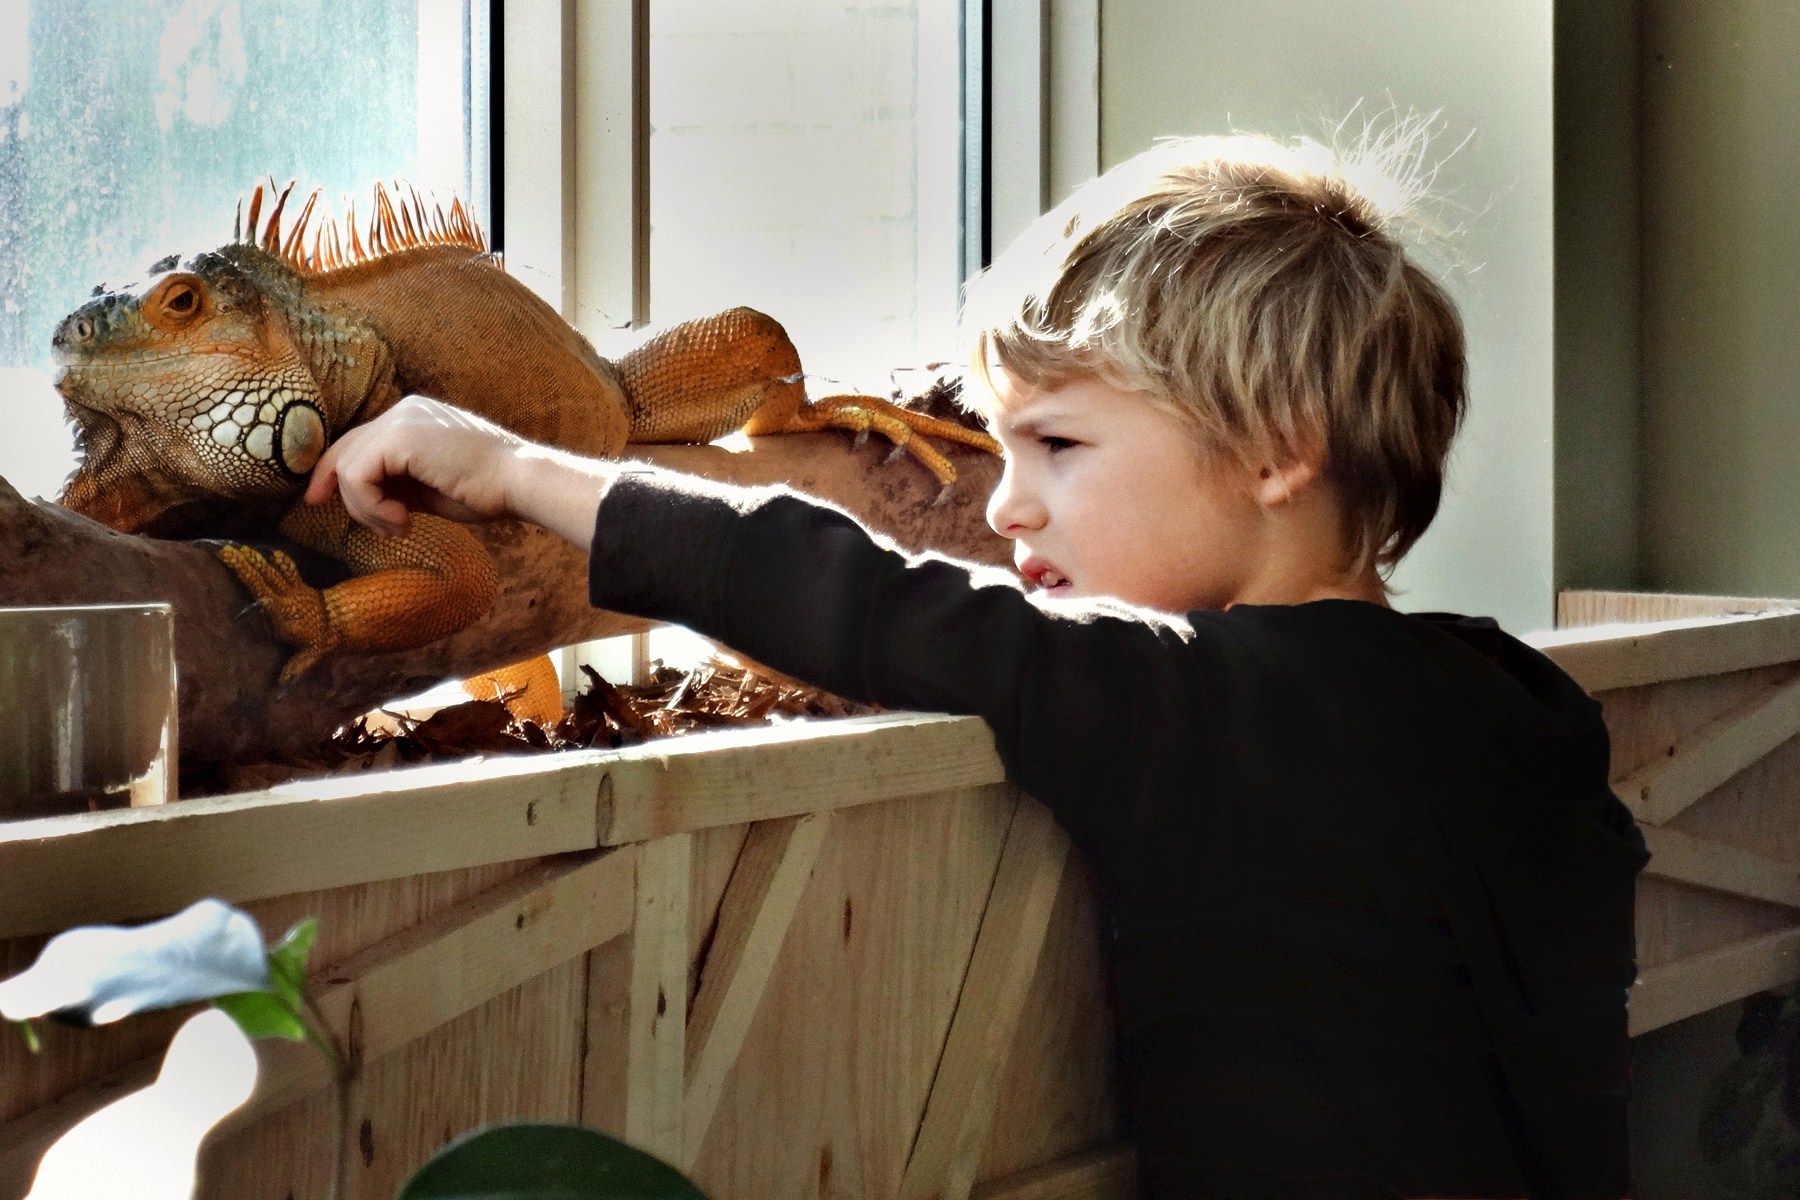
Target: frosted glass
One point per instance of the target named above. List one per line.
(129, 128)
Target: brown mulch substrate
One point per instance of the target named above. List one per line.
(717, 694)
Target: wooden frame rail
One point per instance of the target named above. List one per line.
(821, 959)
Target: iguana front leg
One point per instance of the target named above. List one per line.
(405, 591)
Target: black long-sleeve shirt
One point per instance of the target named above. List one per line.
(1370, 895)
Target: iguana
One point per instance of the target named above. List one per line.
(219, 381)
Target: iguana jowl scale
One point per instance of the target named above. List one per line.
(220, 380)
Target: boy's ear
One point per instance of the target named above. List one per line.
(1282, 479)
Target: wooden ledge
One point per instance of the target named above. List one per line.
(129, 864)
(1605, 657)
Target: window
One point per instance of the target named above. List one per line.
(129, 128)
(805, 160)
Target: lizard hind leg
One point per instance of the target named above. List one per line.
(700, 380)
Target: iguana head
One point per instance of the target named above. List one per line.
(189, 387)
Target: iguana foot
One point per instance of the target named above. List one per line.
(871, 414)
(294, 607)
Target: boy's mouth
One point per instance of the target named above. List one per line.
(1043, 575)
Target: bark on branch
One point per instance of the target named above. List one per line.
(231, 709)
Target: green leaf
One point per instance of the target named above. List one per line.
(29, 1033)
(101, 973)
(545, 1162)
(287, 961)
(260, 1015)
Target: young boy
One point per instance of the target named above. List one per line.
(1370, 896)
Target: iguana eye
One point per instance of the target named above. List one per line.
(174, 303)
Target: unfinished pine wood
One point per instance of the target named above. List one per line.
(1676, 921)
(657, 1020)
(133, 863)
(1637, 655)
(1058, 1092)
(1575, 609)
(1711, 754)
(396, 991)
(730, 778)
(1681, 856)
(1109, 1173)
(954, 1130)
(755, 913)
(826, 1095)
(1669, 992)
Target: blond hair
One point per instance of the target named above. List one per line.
(1256, 292)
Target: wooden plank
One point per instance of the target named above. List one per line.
(1616, 656)
(1665, 994)
(1578, 607)
(1109, 1173)
(1681, 856)
(397, 990)
(954, 1129)
(132, 863)
(731, 778)
(1712, 754)
(838, 1063)
(657, 1020)
(758, 907)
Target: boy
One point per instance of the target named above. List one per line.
(1370, 896)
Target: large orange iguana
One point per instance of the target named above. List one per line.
(219, 381)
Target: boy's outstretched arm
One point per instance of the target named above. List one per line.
(427, 456)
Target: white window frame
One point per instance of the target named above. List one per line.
(575, 138)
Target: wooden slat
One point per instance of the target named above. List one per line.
(657, 1019)
(395, 991)
(730, 778)
(144, 862)
(1578, 607)
(1712, 754)
(1604, 657)
(1109, 1173)
(1688, 859)
(954, 1128)
(754, 917)
(1666, 994)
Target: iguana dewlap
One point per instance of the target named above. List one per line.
(219, 382)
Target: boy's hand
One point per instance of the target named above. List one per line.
(420, 455)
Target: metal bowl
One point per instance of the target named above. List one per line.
(87, 708)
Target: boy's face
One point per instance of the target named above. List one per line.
(1105, 494)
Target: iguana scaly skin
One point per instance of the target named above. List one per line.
(219, 381)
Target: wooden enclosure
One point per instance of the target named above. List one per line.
(827, 960)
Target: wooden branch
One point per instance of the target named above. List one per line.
(227, 659)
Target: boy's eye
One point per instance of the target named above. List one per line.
(1054, 444)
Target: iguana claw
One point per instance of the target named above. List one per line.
(294, 607)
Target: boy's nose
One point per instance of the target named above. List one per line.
(1011, 510)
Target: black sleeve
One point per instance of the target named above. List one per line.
(1075, 695)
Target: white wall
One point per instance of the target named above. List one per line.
(1281, 67)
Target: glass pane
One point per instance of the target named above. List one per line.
(129, 128)
(804, 160)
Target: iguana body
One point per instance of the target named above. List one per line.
(221, 380)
